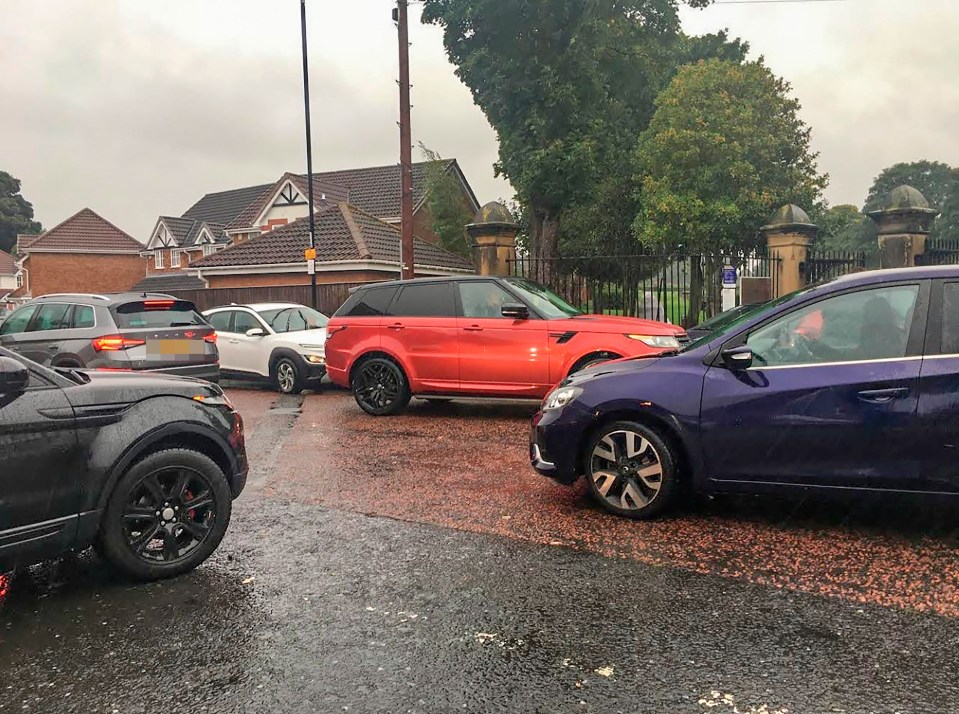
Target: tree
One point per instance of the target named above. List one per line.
(844, 228)
(444, 199)
(936, 181)
(563, 83)
(16, 213)
(724, 149)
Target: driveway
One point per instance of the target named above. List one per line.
(416, 564)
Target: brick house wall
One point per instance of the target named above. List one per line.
(82, 273)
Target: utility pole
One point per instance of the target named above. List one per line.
(310, 254)
(406, 144)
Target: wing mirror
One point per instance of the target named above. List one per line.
(515, 311)
(14, 376)
(737, 358)
(256, 332)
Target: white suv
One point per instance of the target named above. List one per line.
(280, 342)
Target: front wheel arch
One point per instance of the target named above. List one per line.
(684, 464)
(590, 358)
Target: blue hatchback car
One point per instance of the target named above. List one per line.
(851, 384)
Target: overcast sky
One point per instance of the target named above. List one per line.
(137, 108)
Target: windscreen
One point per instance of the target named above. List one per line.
(157, 313)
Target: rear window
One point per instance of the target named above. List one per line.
(367, 303)
(157, 313)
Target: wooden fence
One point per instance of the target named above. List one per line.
(329, 297)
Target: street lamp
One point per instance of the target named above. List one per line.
(311, 251)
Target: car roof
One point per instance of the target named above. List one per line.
(430, 279)
(889, 275)
(256, 307)
(104, 298)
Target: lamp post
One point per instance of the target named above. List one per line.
(311, 252)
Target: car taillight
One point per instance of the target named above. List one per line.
(158, 304)
(115, 343)
(211, 338)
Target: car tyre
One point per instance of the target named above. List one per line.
(631, 470)
(379, 387)
(287, 377)
(194, 502)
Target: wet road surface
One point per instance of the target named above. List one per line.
(413, 564)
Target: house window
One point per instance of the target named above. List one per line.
(20, 279)
(209, 249)
(158, 259)
(175, 258)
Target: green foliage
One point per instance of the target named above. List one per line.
(567, 85)
(16, 213)
(937, 181)
(724, 149)
(845, 228)
(446, 204)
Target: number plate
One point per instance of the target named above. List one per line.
(174, 348)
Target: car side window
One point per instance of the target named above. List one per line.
(52, 316)
(82, 317)
(424, 300)
(950, 319)
(864, 325)
(371, 302)
(18, 321)
(483, 299)
(221, 321)
(244, 321)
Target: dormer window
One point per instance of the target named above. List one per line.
(158, 259)
(175, 258)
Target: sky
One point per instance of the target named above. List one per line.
(136, 108)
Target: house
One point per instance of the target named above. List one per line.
(85, 253)
(8, 274)
(174, 244)
(244, 213)
(351, 245)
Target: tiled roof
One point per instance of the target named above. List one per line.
(186, 231)
(222, 207)
(8, 266)
(84, 232)
(324, 193)
(165, 282)
(375, 190)
(343, 233)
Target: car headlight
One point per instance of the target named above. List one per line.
(659, 341)
(559, 398)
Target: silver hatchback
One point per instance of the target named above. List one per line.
(128, 331)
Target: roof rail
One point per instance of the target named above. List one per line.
(61, 295)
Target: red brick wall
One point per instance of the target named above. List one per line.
(246, 281)
(83, 273)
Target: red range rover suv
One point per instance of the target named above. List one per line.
(472, 337)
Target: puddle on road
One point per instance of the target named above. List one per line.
(74, 634)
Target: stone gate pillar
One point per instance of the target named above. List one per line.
(903, 223)
(493, 239)
(789, 235)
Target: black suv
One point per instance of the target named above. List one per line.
(143, 466)
(128, 331)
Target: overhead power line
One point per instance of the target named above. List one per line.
(768, 2)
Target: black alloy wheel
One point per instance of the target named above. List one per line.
(380, 387)
(166, 515)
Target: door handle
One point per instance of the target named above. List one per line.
(397, 326)
(881, 396)
(234, 342)
(473, 328)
